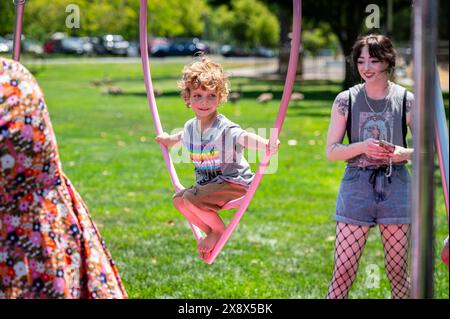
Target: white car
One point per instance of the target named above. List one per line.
(4, 46)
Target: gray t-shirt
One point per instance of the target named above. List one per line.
(378, 119)
(215, 153)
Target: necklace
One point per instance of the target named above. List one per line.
(387, 99)
(389, 170)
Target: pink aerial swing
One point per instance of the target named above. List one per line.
(19, 6)
(243, 202)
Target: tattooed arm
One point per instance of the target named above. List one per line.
(336, 151)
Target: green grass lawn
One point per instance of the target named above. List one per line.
(283, 247)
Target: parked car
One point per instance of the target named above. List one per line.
(33, 47)
(133, 49)
(4, 46)
(228, 50)
(160, 50)
(9, 41)
(263, 52)
(159, 47)
(115, 44)
(184, 47)
(97, 45)
(76, 45)
(27, 45)
(53, 44)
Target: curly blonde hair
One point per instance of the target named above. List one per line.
(207, 75)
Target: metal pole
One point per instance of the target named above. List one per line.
(422, 199)
(19, 5)
(441, 129)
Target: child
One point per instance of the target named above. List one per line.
(215, 145)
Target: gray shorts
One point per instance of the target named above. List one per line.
(367, 197)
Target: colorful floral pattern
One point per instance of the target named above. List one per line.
(49, 245)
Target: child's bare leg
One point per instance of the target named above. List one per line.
(191, 217)
(214, 222)
(217, 226)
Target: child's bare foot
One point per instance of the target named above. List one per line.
(207, 244)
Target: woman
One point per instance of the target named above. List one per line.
(49, 246)
(375, 187)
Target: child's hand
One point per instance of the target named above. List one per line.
(163, 138)
(169, 140)
(272, 149)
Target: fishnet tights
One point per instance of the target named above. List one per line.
(395, 241)
(349, 245)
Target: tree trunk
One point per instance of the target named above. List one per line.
(283, 61)
(347, 36)
(285, 19)
(351, 75)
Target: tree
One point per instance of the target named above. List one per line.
(7, 17)
(192, 16)
(167, 18)
(216, 25)
(264, 12)
(248, 23)
(345, 18)
(41, 19)
(174, 18)
(314, 39)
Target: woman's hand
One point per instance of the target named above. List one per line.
(372, 148)
(401, 154)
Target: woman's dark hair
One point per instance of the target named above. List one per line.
(379, 46)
